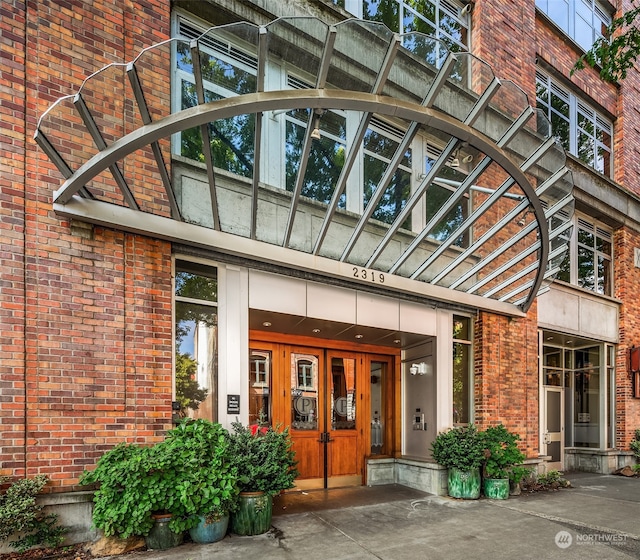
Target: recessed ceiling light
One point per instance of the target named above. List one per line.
(396, 341)
(316, 331)
(266, 324)
(359, 335)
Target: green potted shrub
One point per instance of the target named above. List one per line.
(460, 450)
(160, 491)
(136, 494)
(207, 487)
(265, 465)
(501, 456)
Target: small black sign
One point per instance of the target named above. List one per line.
(233, 404)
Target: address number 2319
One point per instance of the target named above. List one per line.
(366, 274)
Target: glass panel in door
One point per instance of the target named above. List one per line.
(306, 418)
(344, 457)
(553, 426)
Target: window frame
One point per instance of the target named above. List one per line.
(598, 230)
(182, 264)
(470, 365)
(451, 8)
(599, 12)
(579, 110)
(420, 149)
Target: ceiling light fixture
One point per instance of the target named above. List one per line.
(359, 336)
(266, 324)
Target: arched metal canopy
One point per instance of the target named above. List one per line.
(469, 190)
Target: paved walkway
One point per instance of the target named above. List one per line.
(599, 518)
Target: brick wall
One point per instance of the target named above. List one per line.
(627, 288)
(12, 174)
(503, 35)
(85, 312)
(627, 127)
(506, 375)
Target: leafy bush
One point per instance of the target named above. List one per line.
(518, 473)
(20, 513)
(501, 451)
(553, 478)
(459, 447)
(186, 475)
(131, 489)
(263, 457)
(208, 481)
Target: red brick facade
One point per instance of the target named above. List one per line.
(86, 331)
(85, 313)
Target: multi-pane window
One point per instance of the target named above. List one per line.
(589, 261)
(230, 69)
(587, 377)
(462, 374)
(447, 20)
(584, 21)
(196, 341)
(380, 144)
(580, 129)
(326, 156)
(305, 374)
(226, 71)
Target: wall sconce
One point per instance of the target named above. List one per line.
(420, 369)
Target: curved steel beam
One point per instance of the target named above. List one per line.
(310, 99)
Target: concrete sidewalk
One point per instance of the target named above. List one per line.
(599, 518)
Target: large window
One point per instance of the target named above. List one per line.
(462, 373)
(589, 261)
(582, 20)
(447, 20)
(229, 69)
(196, 341)
(586, 375)
(226, 71)
(583, 131)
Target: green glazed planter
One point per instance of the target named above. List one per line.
(496, 488)
(211, 532)
(253, 516)
(161, 537)
(464, 484)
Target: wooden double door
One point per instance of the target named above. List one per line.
(324, 397)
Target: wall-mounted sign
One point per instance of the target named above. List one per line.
(233, 404)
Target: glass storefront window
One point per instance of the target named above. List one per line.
(587, 376)
(462, 375)
(196, 341)
(586, 412)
